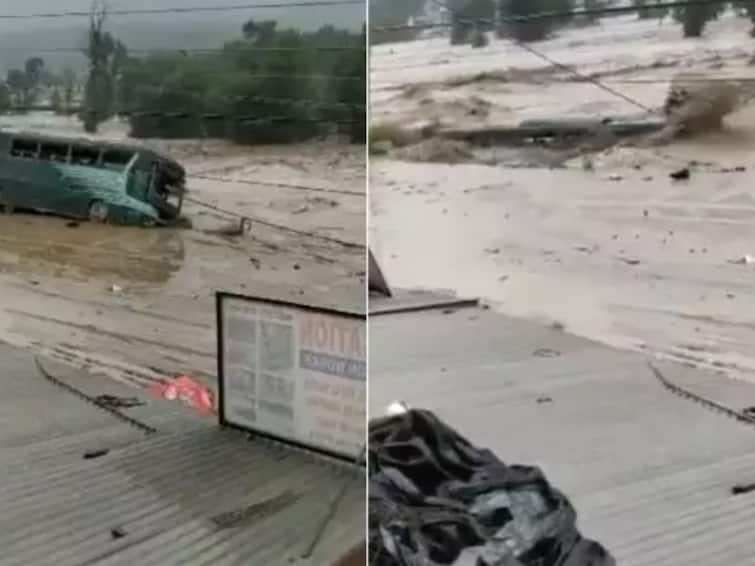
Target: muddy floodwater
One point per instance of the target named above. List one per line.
(619, 252)
(138, 304)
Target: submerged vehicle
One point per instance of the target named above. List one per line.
(85, 179)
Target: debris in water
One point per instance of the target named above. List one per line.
(94, 454)
(744, 260)
(629, 261)
(116, 289)
(72, 224)
(742, 489)
(546, 353)
(492, 250)
(680, 175)
(544, 399)
(117, 533)
(615, 177)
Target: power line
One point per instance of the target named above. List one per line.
(194, 50)
(565, 67)
(585, 78)
(281, 227)
(305, 188)
(186, 10)
(605, 10)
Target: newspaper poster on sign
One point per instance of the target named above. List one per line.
(294, 373)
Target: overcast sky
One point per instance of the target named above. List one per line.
(306, 18)
(19, 38)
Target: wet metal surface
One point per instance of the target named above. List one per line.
(649, 473)
(190, 494)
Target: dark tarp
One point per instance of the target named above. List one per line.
(434, 499)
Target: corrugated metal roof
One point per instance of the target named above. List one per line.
(649, 473)
(192, 493)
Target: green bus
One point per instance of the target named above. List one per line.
(84, 179)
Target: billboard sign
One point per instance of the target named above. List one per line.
(295, 373)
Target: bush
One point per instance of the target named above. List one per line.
(251, 95)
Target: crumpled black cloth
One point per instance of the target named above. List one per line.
(435, 499)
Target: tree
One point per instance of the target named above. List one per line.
(5, 98)
(353, 93)
(512, 10)
(56, 100)
(260, 32)
(68, 85)
(470, 16)
(393, 14)
(17, 83)
(694, 18)
(106, 57)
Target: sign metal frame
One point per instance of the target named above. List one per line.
(220, 298)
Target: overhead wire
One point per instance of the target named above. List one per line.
(291, 186)
(195, 50)
(276, 226)
(183, 10)
(568, 68)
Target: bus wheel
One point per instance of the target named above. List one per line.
(98, 211)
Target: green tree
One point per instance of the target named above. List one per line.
(352, 94)
(247, 94)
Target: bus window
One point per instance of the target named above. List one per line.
(54, 152)
(116, 159)
(24, 148)
(82, 155)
